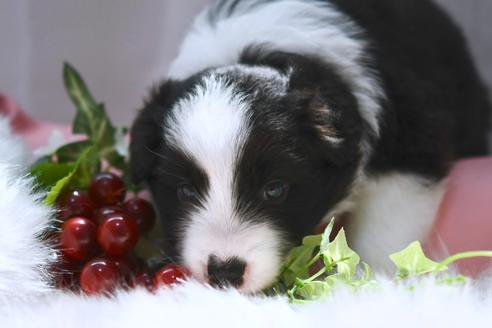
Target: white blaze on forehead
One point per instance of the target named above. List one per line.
(211, 126)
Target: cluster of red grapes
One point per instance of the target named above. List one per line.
(98, 234)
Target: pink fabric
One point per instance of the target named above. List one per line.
(463, 223)
(35, 133)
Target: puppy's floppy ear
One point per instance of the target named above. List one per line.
(147, 135)
(327, 109)
(330, 122)
(324, 104)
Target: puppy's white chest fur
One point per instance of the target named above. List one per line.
(390, 212)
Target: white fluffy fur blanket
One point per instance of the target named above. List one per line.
(27, 301)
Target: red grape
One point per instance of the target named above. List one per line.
(74, 203)
(142, 211)
(78, 239)
(107, 189)
(123, 267)
(105, 212)
(99, 276)
(169, 275)
(143, 279)
(118, 234)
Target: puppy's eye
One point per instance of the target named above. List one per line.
(187, 193)
(275, 191)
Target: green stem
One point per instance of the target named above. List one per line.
(461, 256)
(316, 275)
(313, 260)
(300, 283)
(292, 293)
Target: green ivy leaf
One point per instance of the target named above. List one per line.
(311, 241)
(314, 290)
(340, 253)
(301, 287)
(325, 239)
(296, 263)
(412, 261)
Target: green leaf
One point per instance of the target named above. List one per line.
(57, 189)
(91, 118)
(88, 165)
(314, 290)
(47, 174)
(340, 253)
(301, 255)
(72, 151)
(42, 160)
(79, 176)
(113, 158)
(325, 239)
(298, 259)
(311, 241)
(412, 261)
(82, 98)
(296, 266)
(338, 279)
(104, 132)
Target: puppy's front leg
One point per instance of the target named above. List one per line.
(390, 212)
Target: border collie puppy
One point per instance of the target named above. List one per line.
(277, 115)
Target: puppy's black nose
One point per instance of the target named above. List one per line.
(222, 273)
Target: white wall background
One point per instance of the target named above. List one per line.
(119, 47)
